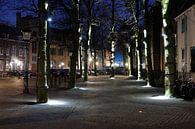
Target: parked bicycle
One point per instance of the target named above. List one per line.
(184, 89)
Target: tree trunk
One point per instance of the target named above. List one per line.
(86, 57)
(169, 49)
(42, 87)
(148, 42)
(74, 57)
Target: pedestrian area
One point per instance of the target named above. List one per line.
(100, 103)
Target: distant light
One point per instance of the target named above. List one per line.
(97, 63)
(62, 63)
(90, 59)
(49, 19)
(126, 64)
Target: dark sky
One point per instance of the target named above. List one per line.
(8, 12)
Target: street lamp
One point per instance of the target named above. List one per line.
(26, 38)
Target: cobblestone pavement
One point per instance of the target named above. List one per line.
(100, 103)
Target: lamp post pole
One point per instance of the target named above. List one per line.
(26, 89)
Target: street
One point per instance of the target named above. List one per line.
(100, 103)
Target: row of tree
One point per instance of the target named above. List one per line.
(75, 21)
(82, 16)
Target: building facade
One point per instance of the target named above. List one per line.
(58, 39)
(185, 42)
(12, 49)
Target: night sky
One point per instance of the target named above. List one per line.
(8, 12)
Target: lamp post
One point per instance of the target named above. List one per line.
(26, 38)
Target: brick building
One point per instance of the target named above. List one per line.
(59, 40)
(12, 49)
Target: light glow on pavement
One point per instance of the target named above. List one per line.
(147, 86)
(112, 78)
(85, 88)
(162, 97)
(56, 102)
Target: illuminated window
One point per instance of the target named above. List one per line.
(192, 59)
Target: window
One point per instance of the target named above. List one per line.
(60, 52)
(34, 47)
(53, 51)
(1, 51)
(184, 24)
(34, 59)
(182, 54)
(1, 65)
(14, 50)
(20, 52)
(192, 59)
(7, 52)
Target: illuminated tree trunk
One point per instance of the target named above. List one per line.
(42, 86)
(49, 79)
(148, 44)
(75, 28)
(112, 42)
(169, 50)
(89, 4)
(135, 15)
(87, 52)
(95, 52)
(80, 51)
(138, 57)
(137, 41)
(129, 60)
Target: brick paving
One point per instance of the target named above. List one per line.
(100, 103)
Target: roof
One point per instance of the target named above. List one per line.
(190, 8)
